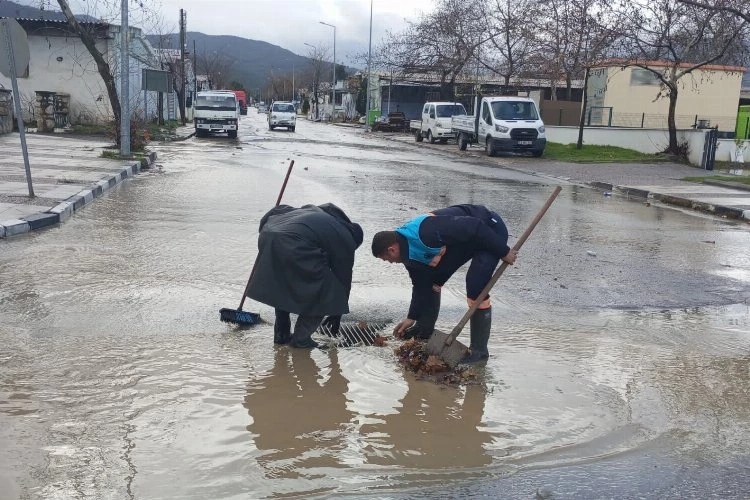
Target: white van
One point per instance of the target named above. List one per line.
(282, 114)
(436, 121)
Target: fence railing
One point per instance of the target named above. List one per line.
(606, 117)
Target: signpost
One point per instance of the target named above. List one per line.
(16, 56)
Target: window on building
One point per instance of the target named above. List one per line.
(640, 76)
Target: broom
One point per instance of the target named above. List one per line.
(238, 316)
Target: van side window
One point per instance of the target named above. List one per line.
(486, 114)
(432, 111)
(426, 108)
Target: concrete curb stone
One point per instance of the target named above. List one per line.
(64, 210)
(15, 226)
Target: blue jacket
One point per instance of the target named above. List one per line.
(462, 231)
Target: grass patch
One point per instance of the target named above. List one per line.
(111, 155)
(739, 179)
(90, 129)
(589, 153)
(169, 126)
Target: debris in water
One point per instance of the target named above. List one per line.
(607, 193)
(412, 355)
(590, 253)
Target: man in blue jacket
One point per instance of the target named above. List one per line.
(432, 247)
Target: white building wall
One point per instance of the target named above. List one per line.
(64, 65)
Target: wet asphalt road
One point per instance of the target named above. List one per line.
(619, 363)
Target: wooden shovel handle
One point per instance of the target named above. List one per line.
(278, 202)
(486, 290)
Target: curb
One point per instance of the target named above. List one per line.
(718, 210)
(63, 211)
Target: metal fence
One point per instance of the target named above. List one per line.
(605, 116)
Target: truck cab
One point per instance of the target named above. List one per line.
(216, 111)
(436, 121)
(511, 124)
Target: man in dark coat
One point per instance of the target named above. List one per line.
(305, 261)
(432, 247)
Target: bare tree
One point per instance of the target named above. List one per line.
(441, 43)
(683, 37)
(314, 75)
(509, 38)
(216, 66)
(740, 9)
(86, 34)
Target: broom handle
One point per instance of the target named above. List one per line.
(255, 264)
(486, 290)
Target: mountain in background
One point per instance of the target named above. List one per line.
(12, 9)
(250, 62)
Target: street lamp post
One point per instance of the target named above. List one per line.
(369, 76)
(333, 88)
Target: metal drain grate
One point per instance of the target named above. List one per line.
(354, 333)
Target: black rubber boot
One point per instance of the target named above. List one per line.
(480, 324)
(425, 325)
(303, 330)
(282, 328)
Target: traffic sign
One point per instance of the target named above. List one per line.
(13, 35)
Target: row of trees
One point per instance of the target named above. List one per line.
(557, 40)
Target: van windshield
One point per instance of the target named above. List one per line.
(448, 110)
(514, 110)
(283, 108)
(216, 102)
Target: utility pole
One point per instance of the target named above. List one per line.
(369, 76)
(124, 83)
(182, 62)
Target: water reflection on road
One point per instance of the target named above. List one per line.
(619, 343)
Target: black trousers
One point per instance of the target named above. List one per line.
(304, 327)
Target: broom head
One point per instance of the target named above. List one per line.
(239, 317)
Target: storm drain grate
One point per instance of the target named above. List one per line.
(355, 333)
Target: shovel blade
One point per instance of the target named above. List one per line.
(451, 354)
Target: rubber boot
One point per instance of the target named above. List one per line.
(425, 325)
(479, 325)
(303, 330)
(282, 328)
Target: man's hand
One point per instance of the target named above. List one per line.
(331, 324)
(511, 257)
(402, 326)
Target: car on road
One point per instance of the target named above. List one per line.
(282, 114)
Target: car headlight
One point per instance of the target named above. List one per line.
(273, 116)
(501, 128)
(541, 129)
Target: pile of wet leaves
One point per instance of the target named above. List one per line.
(413, 355)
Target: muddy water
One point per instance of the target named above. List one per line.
(619, 343)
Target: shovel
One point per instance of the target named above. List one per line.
(444, 345)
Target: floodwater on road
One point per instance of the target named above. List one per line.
(619, 368)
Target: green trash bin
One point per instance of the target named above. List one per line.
(742, 131)
(374, 115)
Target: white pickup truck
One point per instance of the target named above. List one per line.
(505, 123)
(436, 121)
(216, 111)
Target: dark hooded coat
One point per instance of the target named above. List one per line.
(305, 260)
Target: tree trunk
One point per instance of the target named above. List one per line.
(568, 87)
(101, 64)
(582, 122)
(671, 122)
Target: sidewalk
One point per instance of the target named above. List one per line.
(660, 181)
(67, 173)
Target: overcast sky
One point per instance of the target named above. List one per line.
(287, 23)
